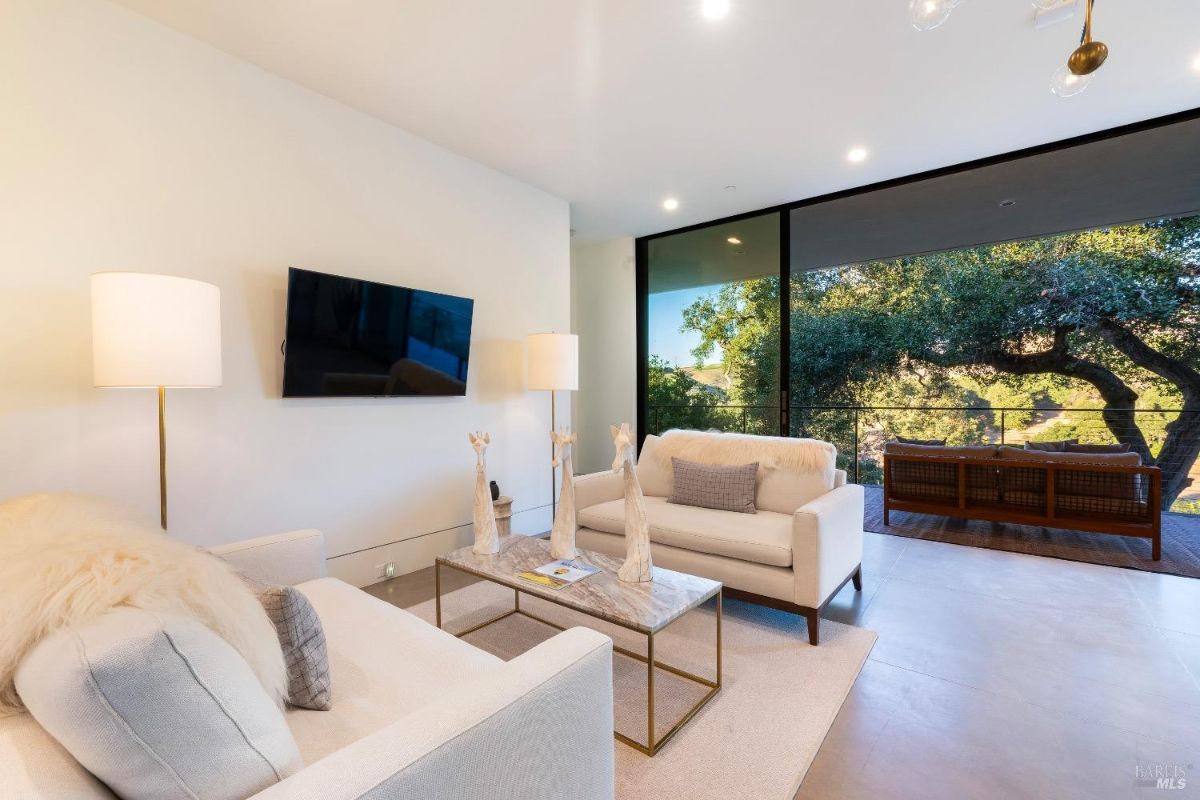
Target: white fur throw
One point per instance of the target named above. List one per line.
(66, 560)
(771, 452)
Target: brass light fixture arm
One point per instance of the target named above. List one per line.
(1090, 55)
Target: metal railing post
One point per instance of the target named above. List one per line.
(1002, 420)
(743, 419)
(856, 454)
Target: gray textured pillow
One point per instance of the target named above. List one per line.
(303, 642)
(926, 442)
(1051, 447)
(1100, 449)
(727, 488)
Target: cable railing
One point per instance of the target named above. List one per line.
(859, 432)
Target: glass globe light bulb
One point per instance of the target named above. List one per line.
(1065, 83)
(928, 14)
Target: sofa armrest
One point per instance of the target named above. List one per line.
(827, 543)
(284, 558)
(598, 487)
(536, 728)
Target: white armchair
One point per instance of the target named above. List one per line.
(801, 547)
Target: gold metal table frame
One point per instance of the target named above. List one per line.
(651, 663)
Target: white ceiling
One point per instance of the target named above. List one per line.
(616, 104)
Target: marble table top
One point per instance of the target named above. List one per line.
(646, 607)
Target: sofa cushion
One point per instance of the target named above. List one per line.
(1102, 449)
(966, 450)
(33, 765)
(384, 662)
(792, 472)
(1077, 480)
(718, 486)
(158, 707)
(654, 469)
(763, 538)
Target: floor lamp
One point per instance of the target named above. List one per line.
(155, 332)
(553, 367)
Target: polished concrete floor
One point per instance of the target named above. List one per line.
(1002, 675)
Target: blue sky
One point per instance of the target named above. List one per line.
(666, 315)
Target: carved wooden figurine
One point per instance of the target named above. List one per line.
(487, 538)
(562, 536)
(637, 567)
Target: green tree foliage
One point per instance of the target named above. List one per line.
(677, 400)
(1112, 315)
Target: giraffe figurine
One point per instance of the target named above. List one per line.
(487, 538)
(638, 567)
(562, 535)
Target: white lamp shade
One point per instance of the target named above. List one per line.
(155, 330)
(553, 361)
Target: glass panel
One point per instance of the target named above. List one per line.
(713, 328)
(1086, 339)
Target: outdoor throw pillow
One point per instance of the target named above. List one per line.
(726, 488)
(1098, 449)
(924, 442)
(1050, 447)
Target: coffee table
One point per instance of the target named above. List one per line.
(646, 608)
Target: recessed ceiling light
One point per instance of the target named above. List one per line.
(734, 240)
(1008, 202)
(856, 155)
(714, 9)
(1196, 64)
(670, 204)
(730, 188)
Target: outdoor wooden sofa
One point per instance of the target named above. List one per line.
(1098, 493)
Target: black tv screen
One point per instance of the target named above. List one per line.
(352, 338)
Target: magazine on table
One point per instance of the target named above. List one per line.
(558, 574)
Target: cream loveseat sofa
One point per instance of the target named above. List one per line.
(803, 544)
(416, 713)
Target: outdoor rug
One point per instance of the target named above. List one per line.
(1180, 538)
(755, 738)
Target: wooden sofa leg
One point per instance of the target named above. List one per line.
(814, 627)
(1156, 546)
(857, 578)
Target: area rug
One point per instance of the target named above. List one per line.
(1180, 538)
(758, 735)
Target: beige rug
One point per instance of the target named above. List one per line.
(756, 738)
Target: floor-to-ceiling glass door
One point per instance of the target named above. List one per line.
(712, 328)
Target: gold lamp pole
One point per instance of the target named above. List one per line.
(162, 455)
(155, 331)
(553, 366)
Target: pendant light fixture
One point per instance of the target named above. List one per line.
(1070, 79)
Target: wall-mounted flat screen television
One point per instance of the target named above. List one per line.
(354, 338)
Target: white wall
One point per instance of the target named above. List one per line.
(604, 317)
(126, 146)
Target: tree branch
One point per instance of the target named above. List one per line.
(1142, 354)
(1119, 399)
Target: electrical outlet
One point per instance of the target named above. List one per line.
(387, 570)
